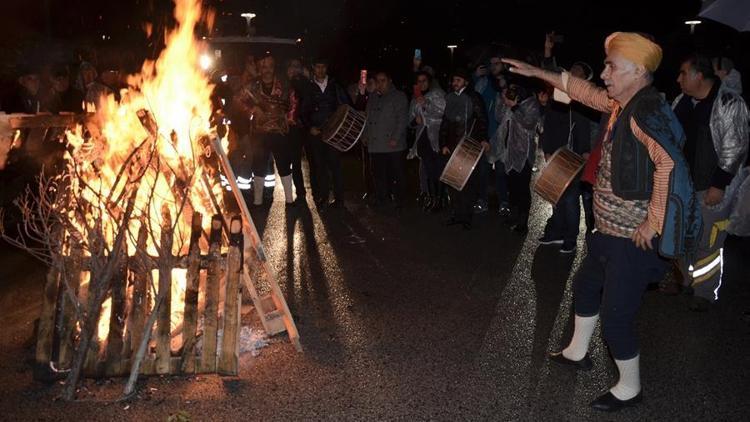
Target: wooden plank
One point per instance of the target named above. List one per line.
(68, 322)
(138, 265)
(213, 281)
(163, 322)
(229, 358)
(192, 285)
(42, 121)
(46, 327)
(117, 315)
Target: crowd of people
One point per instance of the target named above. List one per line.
(655, 186)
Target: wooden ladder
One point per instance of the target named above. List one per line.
(272, 308)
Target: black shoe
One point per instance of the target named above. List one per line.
(568, 247)
(549, 240)
(607, 402)
(583, 364)
(453, 221)
(699, 304)
(520, 228)
(337, 204)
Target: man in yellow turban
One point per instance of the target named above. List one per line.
(644, 206)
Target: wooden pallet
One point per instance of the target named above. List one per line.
(111, 357)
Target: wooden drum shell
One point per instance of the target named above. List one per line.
(462, 163)
(344, 128)
(560, 171)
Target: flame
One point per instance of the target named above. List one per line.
(176, 94)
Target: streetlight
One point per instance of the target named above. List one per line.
(249, 18)
(452, 47)
(692, 24)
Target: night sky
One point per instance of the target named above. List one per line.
(374, 34)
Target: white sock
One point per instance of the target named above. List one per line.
(258, 185)
(579, 344)
(286, 181)
(629, 384)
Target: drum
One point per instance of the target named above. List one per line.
(555, 178)
(462, 163)
(343, 128)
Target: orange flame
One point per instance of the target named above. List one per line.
(175, 91)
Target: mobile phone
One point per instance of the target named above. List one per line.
(363, 77)
(418, 53)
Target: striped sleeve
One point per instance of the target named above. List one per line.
(587, 93)
(663, 164)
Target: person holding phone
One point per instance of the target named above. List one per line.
(426, 114)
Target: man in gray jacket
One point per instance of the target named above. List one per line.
(385, 135)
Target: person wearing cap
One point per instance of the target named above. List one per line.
(64, 97)
(565, 125)
(25, 97)
(464, 116)
(644, 202)
(321, 101)
(715, 119)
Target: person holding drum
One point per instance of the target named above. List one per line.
(465, 117)
(644, 202)
(321, 101)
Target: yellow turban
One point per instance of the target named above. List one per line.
(636, 48)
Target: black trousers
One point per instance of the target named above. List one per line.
(610, 282)
(432, 163)
(388, 172)
(327, 162)
(463, 201)
(288, 156)
(520, 194)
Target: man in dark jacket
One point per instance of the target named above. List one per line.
(320, 102)
(715, 120)
(65, 97)
(25, 98)
(465, 116)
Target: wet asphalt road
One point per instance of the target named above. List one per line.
(402, 318)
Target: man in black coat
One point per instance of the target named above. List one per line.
(465, 116)
(319, 103)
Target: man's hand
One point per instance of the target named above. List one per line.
(713, 196)
(420, 100)
(643, 235)
(419, 120)
(480, 71)
(314, 131)
(547, 157)
(446, 151)
(522, 68)
(485, 146)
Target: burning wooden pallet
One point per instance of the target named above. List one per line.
(204, 338)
